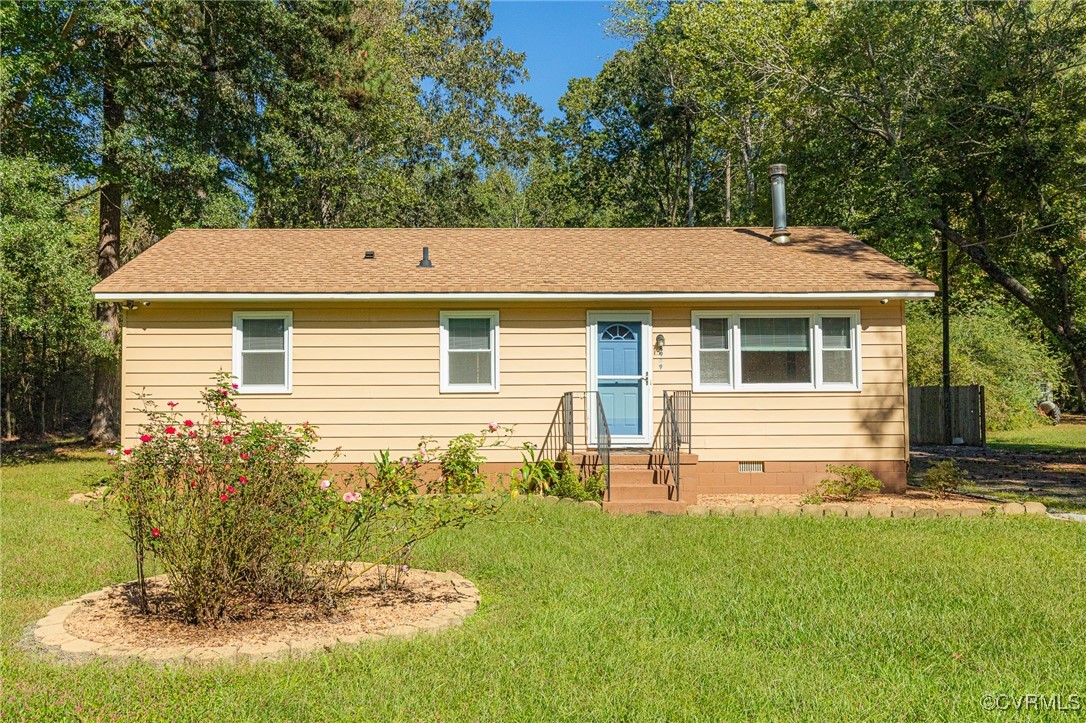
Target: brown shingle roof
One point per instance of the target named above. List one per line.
(488, 260)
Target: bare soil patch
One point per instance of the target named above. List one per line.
(114, 619)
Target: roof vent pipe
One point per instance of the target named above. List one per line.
(781, 234)
(425, 263)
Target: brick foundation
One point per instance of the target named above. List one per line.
(722, 478)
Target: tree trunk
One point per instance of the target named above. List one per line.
(728, 189)
(105, 424)
(1069, 338)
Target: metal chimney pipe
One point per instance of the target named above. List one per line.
(425, 263)
(781, 234)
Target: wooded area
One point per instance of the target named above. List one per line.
(908, 124)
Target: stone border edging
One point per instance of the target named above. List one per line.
(857, 511)
(51, 636)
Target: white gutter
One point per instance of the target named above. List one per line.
(510, 296)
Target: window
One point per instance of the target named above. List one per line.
(775, 350)
(763, 351)
(837, 356)
(262, 351)
(712, 360)
(469, 351)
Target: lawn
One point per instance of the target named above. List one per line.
(1048, 438)
(591, 617)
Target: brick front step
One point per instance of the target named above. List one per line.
(646, 493)
(638, 459)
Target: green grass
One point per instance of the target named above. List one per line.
(591, 617)
(1049, 438)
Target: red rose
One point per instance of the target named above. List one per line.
(230, 489)
(145, 438)
(245, 455)
(171, 404)
(234, 385)
(224, 392)
(224, 498)
(243, 480)
(127, 451)
(189, 423)
(171, 430)
(155, 532)
(192, 434)
(228, 439)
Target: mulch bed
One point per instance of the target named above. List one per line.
(363, 608)
(1059, 475)
(912, 498)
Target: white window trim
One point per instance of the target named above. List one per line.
(814, 316)
(495, 363)
(288, 346)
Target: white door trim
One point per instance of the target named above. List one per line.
(592, 335)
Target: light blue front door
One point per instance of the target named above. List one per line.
(619, 376)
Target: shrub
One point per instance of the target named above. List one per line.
(944, 477)
(229, 509)
(462, 462)
(990, 348)
(852, 480)
(558, 479)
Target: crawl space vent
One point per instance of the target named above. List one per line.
(752, 466)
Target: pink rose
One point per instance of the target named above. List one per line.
(171, 405)
(325, 484)
(155, 532)
(243, 480)
(230, 489)
(493, 426)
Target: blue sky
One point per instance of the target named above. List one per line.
(562, 40)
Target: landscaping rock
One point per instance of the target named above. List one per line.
(592, 504)
(720, 511)
(400, 631)
(834, 510)
(697, 511)
(743, 510)
(1013, 508)
(813, 510)
(972, 512)
(1034, 508)
(924, 512)
(567, 501)
(765, 511)
(950, 512)
(857, 511)
(788, 510)
(881, 512)
(900, 512)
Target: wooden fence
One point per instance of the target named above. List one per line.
(966, 416)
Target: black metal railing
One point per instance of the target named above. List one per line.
(671, 437)
(680, 402)
(603, 441)
(559, 437)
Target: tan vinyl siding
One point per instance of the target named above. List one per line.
(368, 375)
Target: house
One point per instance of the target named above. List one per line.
(722, 360)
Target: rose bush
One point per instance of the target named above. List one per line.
(232, 513)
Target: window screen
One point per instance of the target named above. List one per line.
(470, 353)
(263, 352)
(837, 350)
(714, 356)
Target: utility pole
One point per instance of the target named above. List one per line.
(944, 253)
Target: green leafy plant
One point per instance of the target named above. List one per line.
(944, 477)
(559, 479)
(230, 510)
(851, 481)
(462, 461)
(812, 498)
